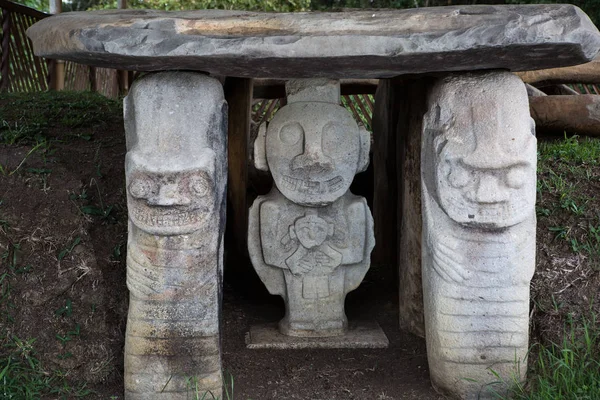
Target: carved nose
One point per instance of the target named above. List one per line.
(168, 195)
(489, 190)
(312, 161)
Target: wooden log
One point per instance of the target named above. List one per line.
(412, 107)
(584, 73)
(238, 93)
(576, 114)
(385, 193)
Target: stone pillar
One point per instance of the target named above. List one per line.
(176, 167)
(478, 167)
(310, 239)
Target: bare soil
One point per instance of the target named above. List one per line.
(63, 227)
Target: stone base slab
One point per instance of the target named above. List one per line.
(360, 335)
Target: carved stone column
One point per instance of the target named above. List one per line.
(310, 239)
(479, 188)
(176, 126)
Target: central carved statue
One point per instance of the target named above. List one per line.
(310, 239)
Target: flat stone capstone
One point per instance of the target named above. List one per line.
(357, 44)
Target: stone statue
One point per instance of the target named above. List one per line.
(310, 239)
(479, 189)
(176, 126)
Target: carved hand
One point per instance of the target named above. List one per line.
(448, 261)
(301, 267)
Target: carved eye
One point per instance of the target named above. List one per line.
(333, 136)
(140, 188)
(515, 178)
(459, 176)
(291, 133)
(199, 186)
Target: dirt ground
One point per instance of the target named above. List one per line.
(63, 226)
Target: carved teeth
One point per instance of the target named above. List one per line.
(166, 220)
(312, 187)
(486, 212)
(335, 184)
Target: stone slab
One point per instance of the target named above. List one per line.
(360, 335)
(357, 44)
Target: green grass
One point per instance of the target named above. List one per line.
(568, 179)
(22, 376)
(28, 119)
(566, 371)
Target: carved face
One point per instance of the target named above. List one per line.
(313, 151)
(486, 158)
(311, 230)
(169, 202)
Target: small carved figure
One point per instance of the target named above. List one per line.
(479, 188)
(310, 239)
(175, 170)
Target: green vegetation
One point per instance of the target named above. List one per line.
(31, 119)
(22, 375)
(568, 177)
(566, 371)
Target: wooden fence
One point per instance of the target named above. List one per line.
(361, 106)
(21, 71)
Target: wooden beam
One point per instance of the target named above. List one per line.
(238, 93)
(122, 75)
(385, 193)
(57, 79)
(412, 96)
(576, 114)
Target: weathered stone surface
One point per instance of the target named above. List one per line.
(175, 167)
(360, 44)
(310, 239)
(360, 335)
(479, 188)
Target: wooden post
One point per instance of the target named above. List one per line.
(122, 76)
(385, 193)
(4, 68)
(57, 79)
(93, 79)
(412, 97)
(238, 93)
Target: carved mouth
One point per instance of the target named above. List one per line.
(172, 219)
(312, 187)
(488, 212)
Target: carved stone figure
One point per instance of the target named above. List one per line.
(310, 239)
(479, 188)
(176, 172)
